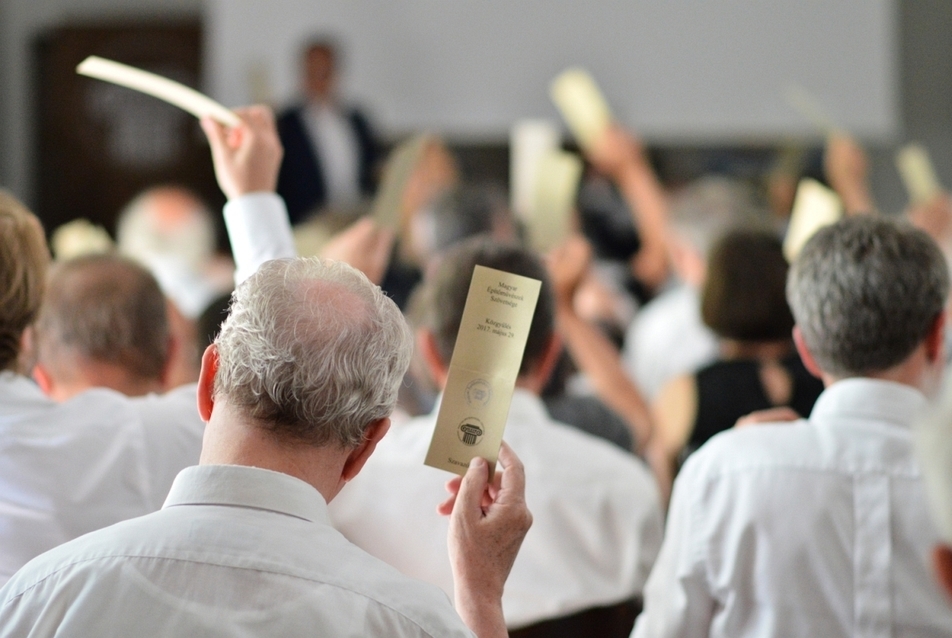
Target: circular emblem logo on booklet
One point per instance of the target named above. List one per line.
(479, 392)
(471, 431)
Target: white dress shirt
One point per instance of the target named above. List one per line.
(235, 551)
(70, 468)
(668, 339)
(817, 528)
(333, 137)
(596, 518)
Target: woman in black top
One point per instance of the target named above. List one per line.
(743, 301)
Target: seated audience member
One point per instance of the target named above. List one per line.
(820, 527)
(596, 511)
(103, 324)
(296, 392)
(668, 337)
(69, 468)
(169, 230)
(743, 302)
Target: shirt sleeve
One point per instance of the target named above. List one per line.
(677, 598)
(259, 231)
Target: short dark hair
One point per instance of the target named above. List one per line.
(865, 292)
(447, 288)
(106, 308)
(743, 297)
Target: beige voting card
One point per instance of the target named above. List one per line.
(550, 215)
(397, 174)
(529, 141)
(582, 105)
(165, 89)
(483, 371)
(814, 207)
(933, 440)
(917, 173)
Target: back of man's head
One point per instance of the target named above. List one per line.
(865, 292)
(448, 287)
(24, 259)
(312, 351)
(103, 309)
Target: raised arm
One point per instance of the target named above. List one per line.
(247, 158)
(488, 522)
(847, 167)
(620, 155)
(594, 354)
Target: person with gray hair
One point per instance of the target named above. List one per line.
(102, 323)
(296, 392)
(820, 527)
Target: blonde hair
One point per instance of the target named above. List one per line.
(24, 260)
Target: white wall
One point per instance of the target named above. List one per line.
(677, 70)
(20, 22)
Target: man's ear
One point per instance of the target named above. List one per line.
(439, 369)
(206, 382)
(43, 379)
(942, 564)
(935, 339)
(359, 455)
(544, 367)
(805, 355)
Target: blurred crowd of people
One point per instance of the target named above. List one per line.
(711, 441)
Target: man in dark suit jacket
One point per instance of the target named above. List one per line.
(329, 150)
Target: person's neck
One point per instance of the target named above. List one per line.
(232, 439)
(916, 371)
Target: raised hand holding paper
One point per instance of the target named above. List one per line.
(165, 89)
(582, 105)
(398, 172)
(917, 173)
(484, 368)
(814, 207)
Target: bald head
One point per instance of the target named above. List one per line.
(103, 322)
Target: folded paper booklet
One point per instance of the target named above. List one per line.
(582, 105)
(179, 95)
(397, 173)
(917, 173)
(550, 215)
(483, 371)
(814, 207)
(932, 435)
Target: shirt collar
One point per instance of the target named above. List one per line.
(251, 487)
(870, 399)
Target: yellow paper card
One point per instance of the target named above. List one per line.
(814, 207)
(917, 173)
(397, 174)
(185, 98)
(484, 368)
(582, 105)
(529, 140)
(557, 179)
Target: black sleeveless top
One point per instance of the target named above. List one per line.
(728, 390)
